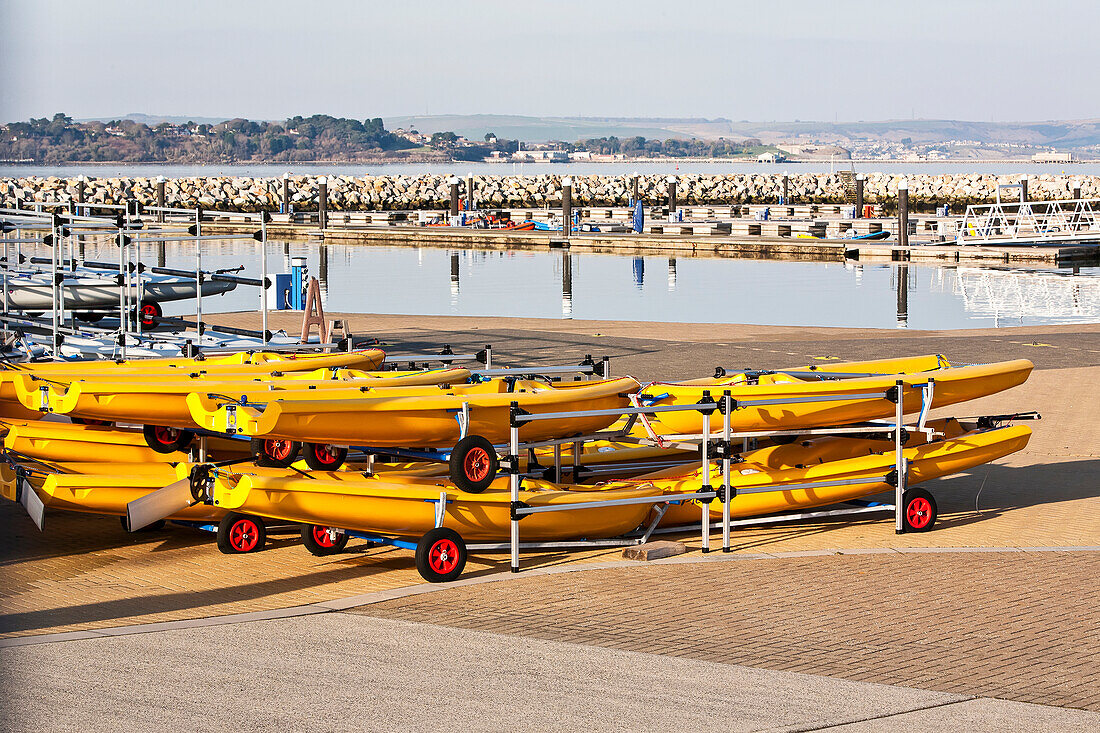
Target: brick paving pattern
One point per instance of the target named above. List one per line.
(85, 573)
(1021, 626)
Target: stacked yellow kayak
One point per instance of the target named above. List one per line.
(278, 430)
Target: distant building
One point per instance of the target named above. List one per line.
(545, 156)
(770, 158)
(1054, 157)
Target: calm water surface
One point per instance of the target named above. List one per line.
(557, 284)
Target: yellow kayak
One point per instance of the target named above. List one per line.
(952, 385)
(102, 488)
(47, 440)
(832, 460)
(835, 370)
(407, 508)
(162, 399)
(426, 420)
(242, 363)
(262, 360)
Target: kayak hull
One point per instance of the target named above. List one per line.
(952, 386)
(407, 509)
(417, 421)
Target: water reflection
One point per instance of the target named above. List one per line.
(611, 286)
(1011, 295)
(454, 280)
(566, 285)
(322, 272)
(903, 296)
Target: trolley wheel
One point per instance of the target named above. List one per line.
(241, 533)
(154, 527)
(440, 555)
(918, 510)
(275, 452)
(473, 464)
(322, 457)
(90, 317)
(165, 439)
(149, 313)
(320, 541)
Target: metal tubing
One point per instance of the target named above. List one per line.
(704, 524)
(513, 485)
(53, 279)
(615, 502)
(263, 277)
(727, 404)
(899, 460)
(198, 273)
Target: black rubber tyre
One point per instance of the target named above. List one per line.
(149, 313)
(241, 533)
(919, 510)
(473, 464)
(166, 440)
(440, 555)
(154, 527)
(319, 542)
(89, 317)
(321, 457)
(275, 452)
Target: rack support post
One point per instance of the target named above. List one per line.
(727, 405)
(899, 458)
(513, 482)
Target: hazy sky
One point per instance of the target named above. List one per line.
(765, 60)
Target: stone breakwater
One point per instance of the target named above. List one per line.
(400, 192)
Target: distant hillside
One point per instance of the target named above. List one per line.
(1067, 134)
(154, 120)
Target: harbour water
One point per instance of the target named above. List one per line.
(563, 284)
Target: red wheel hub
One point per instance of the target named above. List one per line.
(324, 454)
(443, 556)
(476, 464)
(323, 537)
(165, 435)
(918, 513)
(244, 535)
(277, 449)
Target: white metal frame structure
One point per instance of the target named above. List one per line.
(1031, 222)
